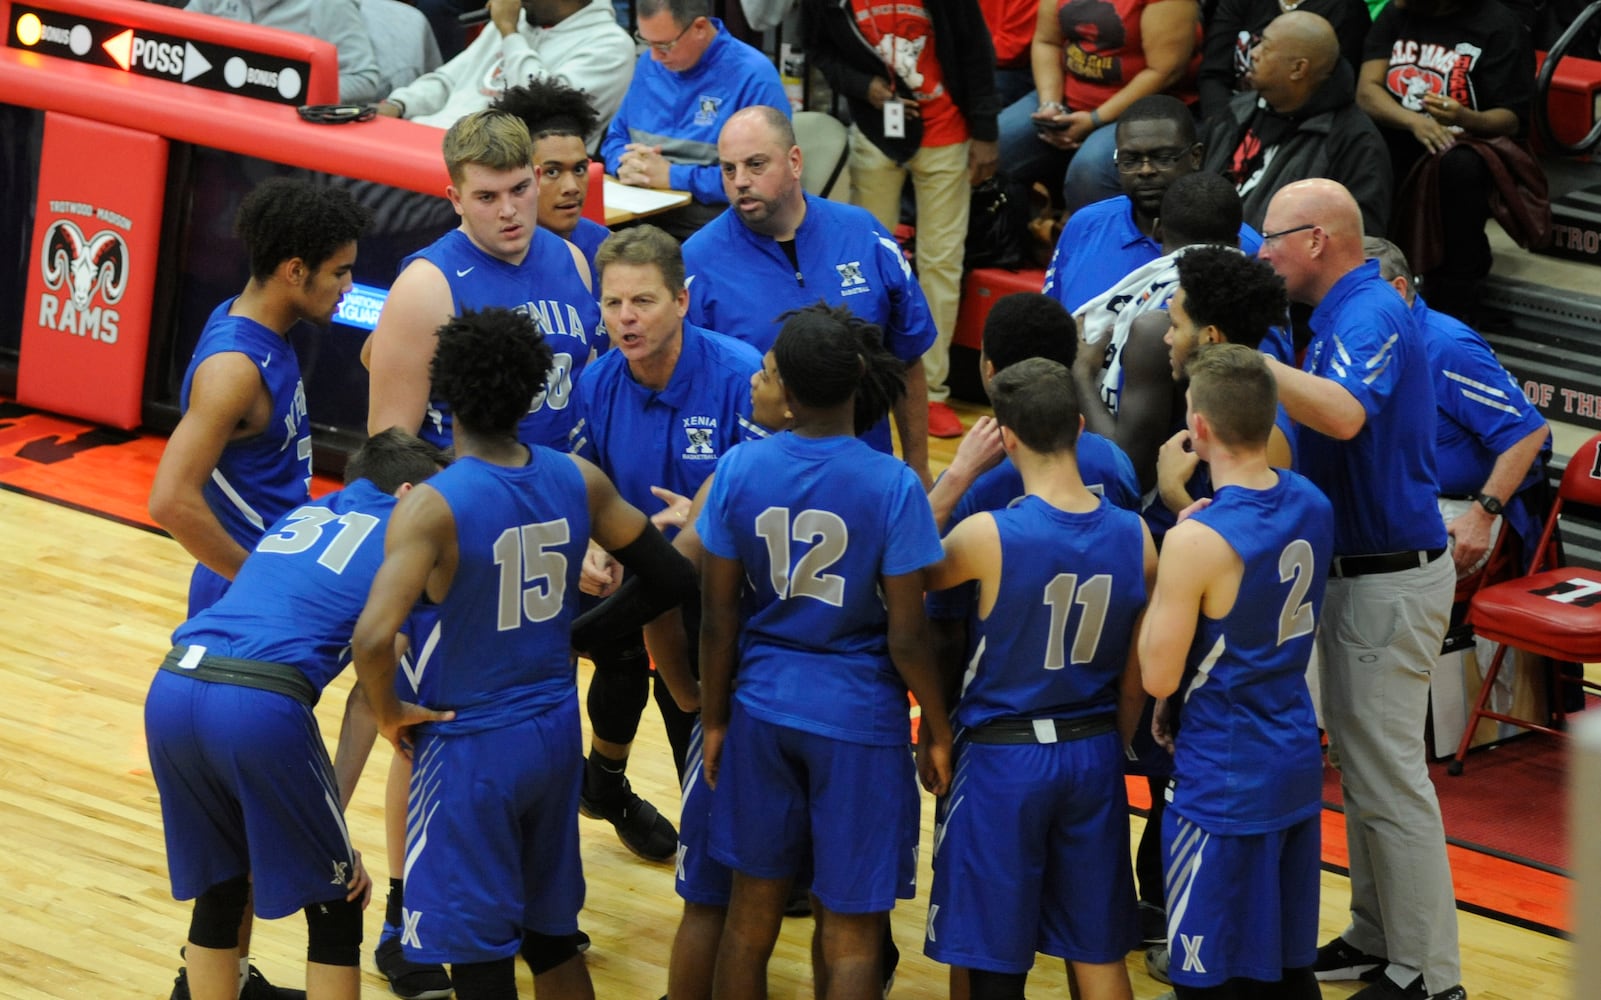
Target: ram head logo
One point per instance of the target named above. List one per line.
(84, 265)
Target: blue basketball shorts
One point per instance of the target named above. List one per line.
(700, 878)
(788, 799)
(1031, 854)
(246, 787)
(492, 839)
(1243, 906)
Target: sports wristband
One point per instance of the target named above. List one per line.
(1095, 117)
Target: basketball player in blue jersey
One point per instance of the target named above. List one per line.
(240, 457)
(1223, 297)
(654, 413)
(1239, 595)
(828, 538)
(1031, 852)
(498, 256)
(496, 541)
(558, 118)
(230, 711)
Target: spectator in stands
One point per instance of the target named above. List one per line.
(943, 95)
(1092, 60)
(1489, 440)
(559, 117)
(1237, 26)
(336, 21)
(1299, 119)
(1011, 24)
(694, 76)
(574, 42)
(1439, 76)
(1103, 243)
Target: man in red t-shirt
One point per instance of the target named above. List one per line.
(920, 81)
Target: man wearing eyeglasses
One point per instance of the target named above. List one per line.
(1365, 403)
(691, 78)
(1106, 241)
(575, 42)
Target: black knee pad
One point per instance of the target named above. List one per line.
(215, 920)
(495, 980)
(618, 690)
(543, 952)
(333, 933)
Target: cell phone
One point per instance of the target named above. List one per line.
(1052, 125)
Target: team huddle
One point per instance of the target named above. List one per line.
(566, 459)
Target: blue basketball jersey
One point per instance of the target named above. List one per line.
(1057, 641)
(816, 522)
(1248, 759)
(297, 597)
(546, 286)
(257, 480)
(587, 238)
(503, 650)
(1103, 466)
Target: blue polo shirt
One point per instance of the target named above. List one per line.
(1101, 246)
(642, 438)
(844, 258)
(684, 113)
(1382, 482)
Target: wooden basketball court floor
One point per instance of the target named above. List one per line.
(85, 909)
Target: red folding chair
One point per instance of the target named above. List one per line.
(1554, 611)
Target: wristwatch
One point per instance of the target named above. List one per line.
(1491, 505)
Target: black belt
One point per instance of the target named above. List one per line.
(1013, 731)
(1383, 562)
(194, 661)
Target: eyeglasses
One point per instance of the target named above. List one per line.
(1269, 237)
(662, 48)
(1162, 159)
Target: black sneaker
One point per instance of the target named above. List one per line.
(1385, 988)
(407, 979)
(1339, 960)
(640, 827)
(256, 988)
(1153, 924)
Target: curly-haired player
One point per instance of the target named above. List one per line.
(240, 457)
(559, 117)
(496, 542)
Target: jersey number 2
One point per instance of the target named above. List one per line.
(524, 557)
(1295, 564)
(828, 535)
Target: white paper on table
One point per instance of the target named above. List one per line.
(641, 201)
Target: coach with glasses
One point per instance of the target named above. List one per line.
(691, 78)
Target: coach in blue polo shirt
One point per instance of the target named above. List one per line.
(694, 76)
(657, 410)
(1365, 403)
(1106, 241)
(778, 248)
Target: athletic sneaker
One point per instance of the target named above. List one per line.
(1384, 988)
(256, 988)
(1156, 959)
(407, 979)
(640, 827)
(943, 421)
(1339, 960)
